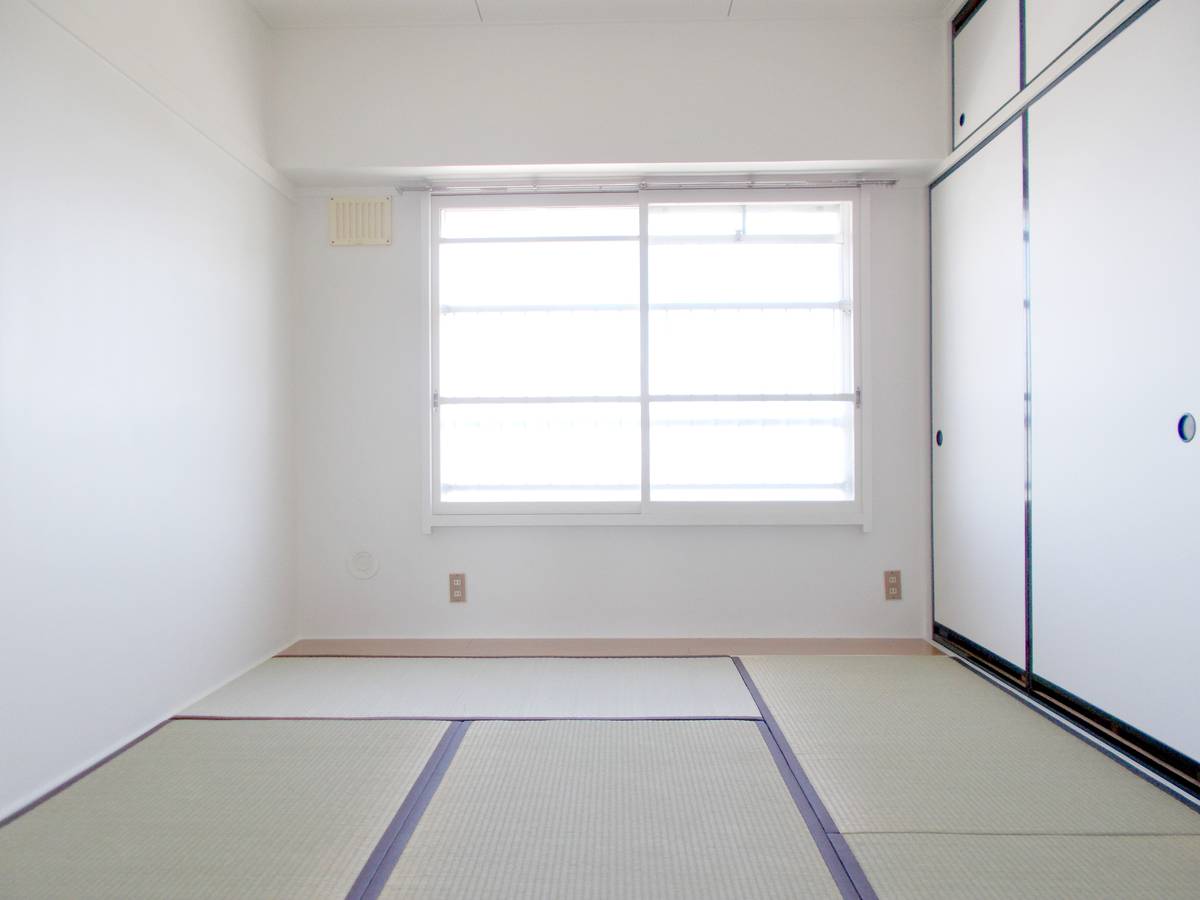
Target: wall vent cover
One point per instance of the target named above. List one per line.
(359, 221)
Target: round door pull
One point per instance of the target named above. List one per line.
(962, 119)
(938, 438)
(1187, 428)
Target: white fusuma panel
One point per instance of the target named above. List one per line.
(1051, 26)
(987, 64)
(1114, 234)
(979, 398)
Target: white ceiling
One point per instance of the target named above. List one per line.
(327, 13)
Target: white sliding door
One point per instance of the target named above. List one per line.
(1051, 26)
(987, 64)
(979, 399)
(1115, 256)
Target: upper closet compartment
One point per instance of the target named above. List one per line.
(1051, 26)
(986, 60)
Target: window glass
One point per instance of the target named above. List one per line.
(747, 360)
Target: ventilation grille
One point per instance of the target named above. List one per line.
(360, 221)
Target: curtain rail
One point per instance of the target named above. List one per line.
(629, 186)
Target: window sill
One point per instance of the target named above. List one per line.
(663, 514)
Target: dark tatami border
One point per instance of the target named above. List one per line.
(843, 866)
(382, 860)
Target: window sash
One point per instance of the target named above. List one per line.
(646, 510)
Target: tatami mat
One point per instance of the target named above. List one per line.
(913, 744)
(576, 810)
(1001, 867)
(485, 688)
(221, 810)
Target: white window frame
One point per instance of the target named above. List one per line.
(436, 514)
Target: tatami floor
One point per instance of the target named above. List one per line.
(607, 769)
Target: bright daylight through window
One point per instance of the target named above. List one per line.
(624, 354)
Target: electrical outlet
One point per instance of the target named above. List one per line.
(458, 587)
(891, 584)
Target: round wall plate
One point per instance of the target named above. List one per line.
(362, 565)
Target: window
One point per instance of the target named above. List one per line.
(667, 356)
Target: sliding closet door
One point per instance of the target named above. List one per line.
(1115, 286)
(1051, 26)
(979, 380)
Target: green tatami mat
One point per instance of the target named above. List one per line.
(571, 810)
(221, 810)
(515, 688)
(921, 744)
(1042, 867)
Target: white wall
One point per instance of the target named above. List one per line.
(683, 93)
(213, 52)
(365, 103)
(358, 353)
(145, 520)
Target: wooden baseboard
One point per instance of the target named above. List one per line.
(611, 647)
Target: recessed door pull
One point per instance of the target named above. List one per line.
(1187, 428)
